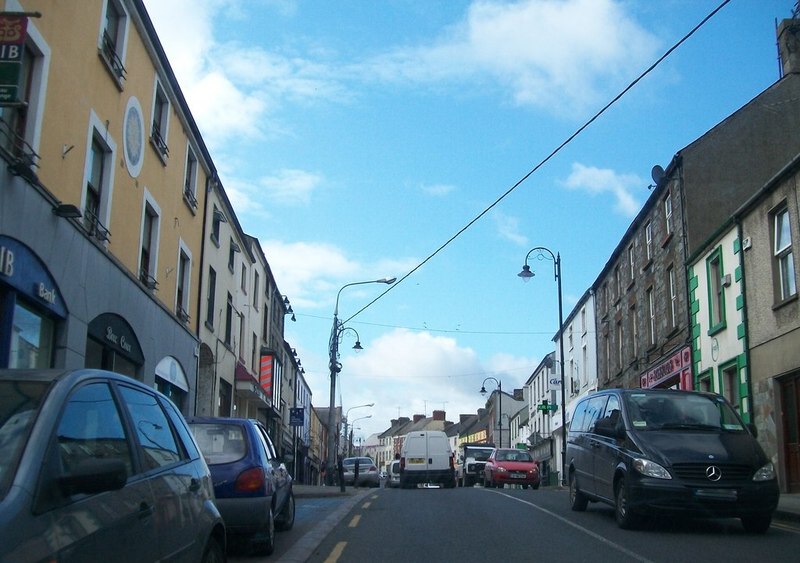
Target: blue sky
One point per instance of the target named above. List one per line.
(355, 138)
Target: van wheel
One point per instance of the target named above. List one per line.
(627, 519)
(757, 523)
(577, 500)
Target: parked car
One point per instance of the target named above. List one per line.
(96, 466)
(511, 466)
(252, 486)
(368, 474)
(426, 457)
(649, 451)
(394, 473)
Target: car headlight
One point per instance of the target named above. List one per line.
(650, 469)
(766, 473)
(501, 469)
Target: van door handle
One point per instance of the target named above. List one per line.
(145, 510)
(430, 460)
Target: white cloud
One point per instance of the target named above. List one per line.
(508, 228)
(438, 190)
(563, 56)
(600, 181)
(290, 186)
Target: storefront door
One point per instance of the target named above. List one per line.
(790, 399)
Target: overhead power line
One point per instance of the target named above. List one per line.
(555, 151)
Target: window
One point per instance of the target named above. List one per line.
(182, 293)
(112, 39)
(152, 429)
(190, 179)
(651, 313)
(217, 218)
(617, 283)
(704, 382)
(148, 255)
(98, 186)
(619, 344)
(233, 248)
(730, 382)
(158, 132)
(211, 297)
(254, 354)
(668, 213)
(31, 338)
(716, 295)
(648, 239)
(265, 327)
(242, 343)
(584, 328)
(634, 332)
(631, 266)
(255, 290)
(673, 298)
(228, 320)
(243, 282)
(784, 257)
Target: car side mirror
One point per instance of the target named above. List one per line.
(94, 475)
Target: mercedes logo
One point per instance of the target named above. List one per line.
(713, 473)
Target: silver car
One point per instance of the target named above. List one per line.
(96, 466)
(368, 474)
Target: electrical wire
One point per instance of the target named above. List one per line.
(544, 161)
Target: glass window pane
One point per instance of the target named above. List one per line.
(152, 429)
(31, 339)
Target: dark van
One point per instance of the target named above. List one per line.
(649, 451)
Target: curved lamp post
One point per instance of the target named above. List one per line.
(335, 367)
(347, 416)
(526, 274)
(499, 406)
(350, 440)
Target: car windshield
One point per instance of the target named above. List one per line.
(479, 454)
(514, 456)
(219, 442)
(19, 402)
(363, 462)
(678, 411)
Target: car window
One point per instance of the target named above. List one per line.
(19, 402)
(577, 417)
(91, 427)
(594, 409)
(220, 442)
(179, 424)
(152, 429)
(271, 455)
(612, 410)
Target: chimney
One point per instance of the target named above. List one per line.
(393, 422)
(438, 415)
(481, 413)
(418, 417)
(789, 46)
(462, 418)
(403, 420)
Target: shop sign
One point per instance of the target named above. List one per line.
(25, 272)
(677, 364)
(13, 30)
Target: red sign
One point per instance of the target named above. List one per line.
(678, 363)
(265, 375)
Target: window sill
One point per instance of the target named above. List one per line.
(647, 265)
(115, 76)
(666, 240)
(785, 302)
(215, 240)
(161, 152)
(717, 328)
(209, 326)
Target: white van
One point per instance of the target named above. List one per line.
(426, 457)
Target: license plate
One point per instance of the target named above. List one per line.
(416, 460)
(517, 475)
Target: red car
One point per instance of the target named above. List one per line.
(508, 465)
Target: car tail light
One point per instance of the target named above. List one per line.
(250, 481)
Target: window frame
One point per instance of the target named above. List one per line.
(148, 273)
(112, 48)
(96, 222)
(716, 291)
(183, 282)
(159, 124)
(785, 281)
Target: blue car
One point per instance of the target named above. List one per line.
(252, 487)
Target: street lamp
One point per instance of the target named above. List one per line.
(347, 416)
(335, 367)
(499, 406)
(350, 440)
(526, 275)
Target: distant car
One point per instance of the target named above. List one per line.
(394, 473)
(368, 474)
(96, 466)
(252, 486)
(511, 466)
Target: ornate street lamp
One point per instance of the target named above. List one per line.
(526, 274)
(335, 367)
(499, 407)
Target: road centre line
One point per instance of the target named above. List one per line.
(578, 527)
(336, 552)
(354, 522)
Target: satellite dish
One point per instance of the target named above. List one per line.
(657, 173)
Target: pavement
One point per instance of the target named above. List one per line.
(788, 504)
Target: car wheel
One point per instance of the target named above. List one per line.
(756, 523)
(213, 552)
(264, 542)
(577, 500)
(627, 519)
(286, 517)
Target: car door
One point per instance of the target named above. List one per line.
(170, 474)
(594, 408)
(108, 526)
(606, 451)
(278, 468)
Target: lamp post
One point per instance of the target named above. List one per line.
(526, 274)
(347, 416)
(350, 440)
(499, 405)
(335, 367)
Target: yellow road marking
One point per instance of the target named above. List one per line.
(366, 504)
(354, 522)
(336, 553)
